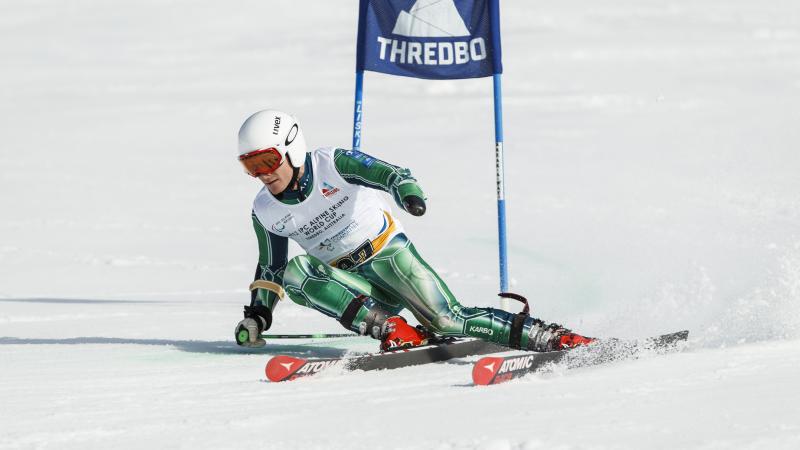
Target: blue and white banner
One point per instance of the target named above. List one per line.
(433, 39)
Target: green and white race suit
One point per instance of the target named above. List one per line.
(356, 249)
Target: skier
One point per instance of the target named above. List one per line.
(360, 267)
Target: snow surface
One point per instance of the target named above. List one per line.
(652, 167)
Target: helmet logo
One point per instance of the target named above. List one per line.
(292, 134)
(277, 125)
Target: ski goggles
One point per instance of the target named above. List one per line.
(261, 162)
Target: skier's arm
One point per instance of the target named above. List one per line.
(364, 170)
(273, 253)
(272, 258)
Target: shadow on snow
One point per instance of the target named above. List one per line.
(217, 347)
(73, 300)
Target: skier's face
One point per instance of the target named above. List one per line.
(277, 181)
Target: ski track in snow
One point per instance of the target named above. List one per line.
(652, 186)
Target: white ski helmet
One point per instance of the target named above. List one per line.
(271, 129)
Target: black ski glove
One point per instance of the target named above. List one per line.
(414, 205)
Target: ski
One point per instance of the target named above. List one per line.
(308, 336)
(288, 368)
(494, 369)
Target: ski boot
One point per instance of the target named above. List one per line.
(544, 337)
(572, 340)
(397, 334)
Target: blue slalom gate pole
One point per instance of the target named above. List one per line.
(357, 110)
(501, 187)
(494, 14)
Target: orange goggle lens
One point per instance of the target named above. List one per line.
(261, 162)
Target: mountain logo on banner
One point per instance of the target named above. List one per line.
(431, 18)
(433, 39)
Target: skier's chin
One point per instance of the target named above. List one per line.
(276, 187)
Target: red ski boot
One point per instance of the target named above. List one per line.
(553, 337)
(397, 333)
(572, 340)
